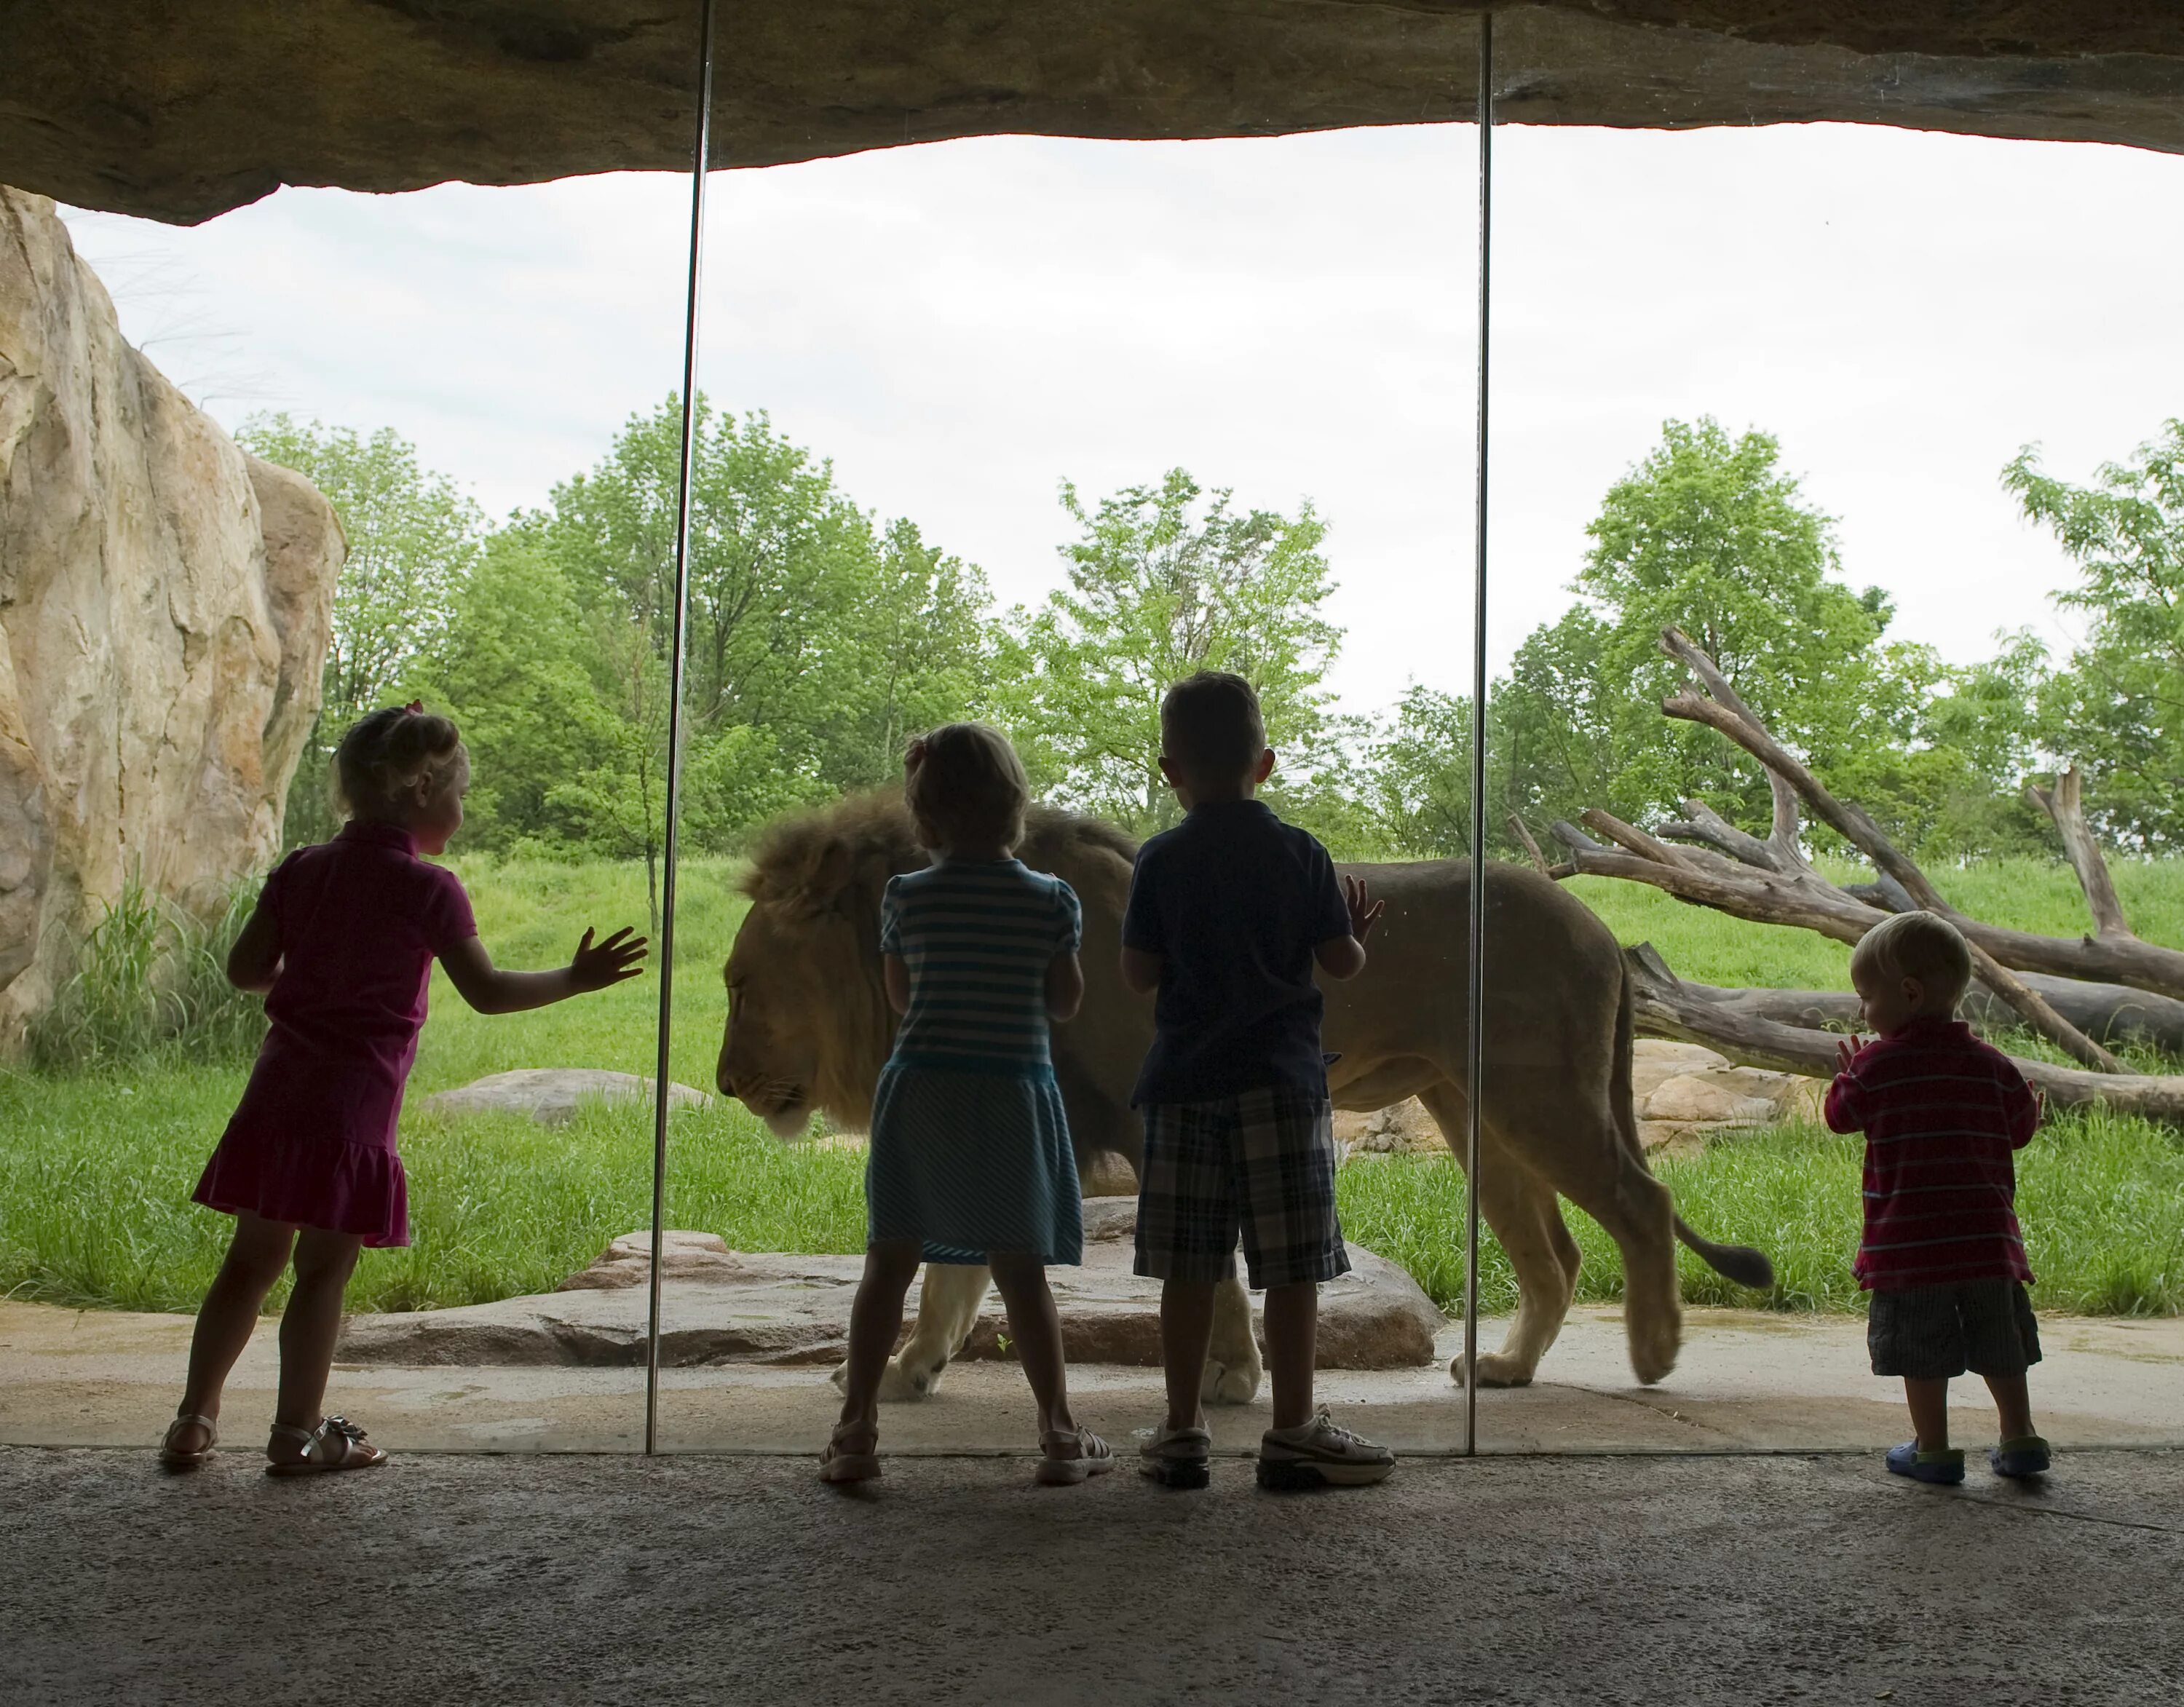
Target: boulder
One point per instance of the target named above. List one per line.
(724, 1306)
(165, 601)
(551, 1095)
(181, 110)
(1401, 1129)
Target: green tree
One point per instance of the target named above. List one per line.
(414, 537)
(2118, 710)
(817, 641)
(519, 671)
(1163, 580)
(1709, 535)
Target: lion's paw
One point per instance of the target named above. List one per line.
(1494, 1370)
(899, 1384)
(1227, 1384)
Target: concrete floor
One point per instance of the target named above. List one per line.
(1747, 1381)
(454, 1579)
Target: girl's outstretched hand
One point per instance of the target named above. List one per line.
(595, 965)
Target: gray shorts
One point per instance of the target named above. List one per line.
(1938, 1333)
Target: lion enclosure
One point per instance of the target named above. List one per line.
(1832, 546)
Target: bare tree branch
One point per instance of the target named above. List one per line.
(1667, 1009)
(1634, 839)
(2065, 805)
(1539, 860)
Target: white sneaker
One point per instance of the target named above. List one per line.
(1321, 1455)
(1177, 1457)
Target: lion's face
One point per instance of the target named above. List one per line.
(808, 1026)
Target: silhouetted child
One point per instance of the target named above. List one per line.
(1229, 913)
(1943, 1115)
(343, 941)
(970, 1159)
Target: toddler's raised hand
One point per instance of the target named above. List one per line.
(1846, 1052)
(1364, 912)
(595, 965)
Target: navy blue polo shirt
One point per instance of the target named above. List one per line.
(1234, 901)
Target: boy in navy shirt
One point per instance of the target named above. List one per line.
(1229, 913)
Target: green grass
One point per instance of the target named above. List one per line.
(96, 1166)
(2101, 1202)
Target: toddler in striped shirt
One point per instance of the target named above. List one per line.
(1943, 1115)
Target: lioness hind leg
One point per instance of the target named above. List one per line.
(947, 1310)
(1520, 1207)
(1233, 1367)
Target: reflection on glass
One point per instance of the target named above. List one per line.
(969, 411)
(328, 454)
(1771, 636)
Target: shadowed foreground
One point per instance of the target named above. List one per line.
(611, 1580)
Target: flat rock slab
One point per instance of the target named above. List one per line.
(552, 1095)
(720, 1306)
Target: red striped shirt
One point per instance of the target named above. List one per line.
(1943, 1115)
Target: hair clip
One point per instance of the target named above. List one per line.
(415, 708)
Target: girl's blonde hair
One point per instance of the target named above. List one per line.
(1923, 946)
(385, 755)
(965, 785)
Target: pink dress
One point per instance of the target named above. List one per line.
(361, 919)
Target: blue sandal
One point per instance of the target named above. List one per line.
(1944, 1469)
(2025, 1456)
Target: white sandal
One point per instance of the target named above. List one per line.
(1094, 1457)
(174, 1457)
(337, 1444)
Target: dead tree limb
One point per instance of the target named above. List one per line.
(1667, 1008)
(2109, 958)
(1774, 880)
(1525, 836)
(2065, 805)
(2110, 1013)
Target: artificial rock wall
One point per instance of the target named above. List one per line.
(164, 604)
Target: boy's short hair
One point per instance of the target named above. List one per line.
(1923, 946)
(1211, 723)
(964, 784)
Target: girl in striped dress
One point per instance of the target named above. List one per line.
(971, 1159)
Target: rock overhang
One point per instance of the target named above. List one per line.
(183, 110)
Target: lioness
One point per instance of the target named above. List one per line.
(809, 1027)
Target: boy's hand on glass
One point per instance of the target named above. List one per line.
(1846, 1052)
(1364, 911)
(596, 965)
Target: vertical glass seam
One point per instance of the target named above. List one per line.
(1475, 955)
(663, 962)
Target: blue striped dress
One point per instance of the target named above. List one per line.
(970, 1148)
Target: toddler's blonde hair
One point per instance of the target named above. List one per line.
(386, 755)
(964, 786)
(1923, 946)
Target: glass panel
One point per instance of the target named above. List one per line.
(942, 380)
(1774, 387)
(437, 374)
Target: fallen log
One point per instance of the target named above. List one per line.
(1667, 1008)
(2112, 1013)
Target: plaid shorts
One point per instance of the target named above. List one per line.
(1260, 1162)
(1937, 1332)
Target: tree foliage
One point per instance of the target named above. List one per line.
(1164, 580)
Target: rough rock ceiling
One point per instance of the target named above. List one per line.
(180, 109)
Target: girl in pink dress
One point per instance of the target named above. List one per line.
(343, 942)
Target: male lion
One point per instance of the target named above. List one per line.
(809, 1027)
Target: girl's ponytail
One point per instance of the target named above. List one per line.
(386, 755)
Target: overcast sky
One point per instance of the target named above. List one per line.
(963, 326)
